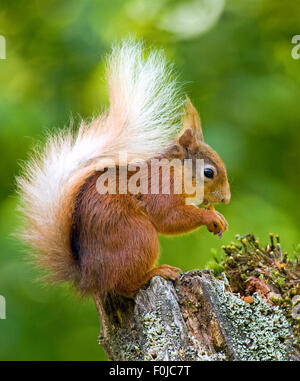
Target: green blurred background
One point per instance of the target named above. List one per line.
(235, 59)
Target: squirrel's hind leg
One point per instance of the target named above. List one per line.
(165, 271)
(138, 257)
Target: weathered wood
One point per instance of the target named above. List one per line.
(194, 318)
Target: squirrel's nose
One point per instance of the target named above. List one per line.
(226, 199)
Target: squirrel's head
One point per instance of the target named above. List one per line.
(190, 140)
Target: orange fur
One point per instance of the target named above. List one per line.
(109, 243)
(115, 237)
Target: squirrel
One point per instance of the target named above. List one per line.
(108, 243)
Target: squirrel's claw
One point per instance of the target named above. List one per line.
(219, 224)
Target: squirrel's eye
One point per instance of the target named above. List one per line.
(208, 172)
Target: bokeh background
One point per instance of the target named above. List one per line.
(235, 59)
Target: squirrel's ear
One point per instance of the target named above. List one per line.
(191, 120)
(186, 138)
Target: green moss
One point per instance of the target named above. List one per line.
(269, 271)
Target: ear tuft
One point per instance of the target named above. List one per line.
(191, 120)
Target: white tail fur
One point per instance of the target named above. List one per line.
(144, 116)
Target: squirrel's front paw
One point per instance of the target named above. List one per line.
(217, 223)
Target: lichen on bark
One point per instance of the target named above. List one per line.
(194, 318)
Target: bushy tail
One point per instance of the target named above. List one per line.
(144, 116)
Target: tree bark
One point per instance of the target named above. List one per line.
(194, 318)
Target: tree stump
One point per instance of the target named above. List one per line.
(193, 318)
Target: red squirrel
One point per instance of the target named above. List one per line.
(108, 243)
